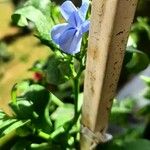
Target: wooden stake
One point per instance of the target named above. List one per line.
(110, 25)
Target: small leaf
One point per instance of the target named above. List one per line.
(14, 126)
(65, 69)
(63, 114)
(40, 97)
(22, 15)
(58, 71)
(34, 105)
(138, 62)
(7, 123)
(23, 108)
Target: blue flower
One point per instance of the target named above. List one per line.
(69, 35)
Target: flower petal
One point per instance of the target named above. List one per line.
(76, 43)
(75, 20)
(67, 8)
(84, 8)
(57, 31)
(85, 26)
(70, 41)
(66, 40)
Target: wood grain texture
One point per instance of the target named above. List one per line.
(110, 25)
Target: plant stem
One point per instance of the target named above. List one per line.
(43, 135)
(76, 93)
(51, 136)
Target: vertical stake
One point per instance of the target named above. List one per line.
(110, 25)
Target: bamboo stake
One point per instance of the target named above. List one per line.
(110, 24)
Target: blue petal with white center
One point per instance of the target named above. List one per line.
(69, 35)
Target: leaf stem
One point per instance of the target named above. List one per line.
(43, 135)
(52, 135)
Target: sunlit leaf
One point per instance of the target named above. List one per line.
(30, 13)
(63, 114)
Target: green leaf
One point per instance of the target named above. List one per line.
(63, 114)
(44, 6)
(40, 97)
(53, 73)
(138, 62)
(34, 105)
(14, 126)
(22, 15)
(58, 71)
(23, 108)
(23, 86)
(55, 100)
(6, 123)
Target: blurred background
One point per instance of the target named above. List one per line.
(19, 49)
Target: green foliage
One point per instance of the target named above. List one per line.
(32, 119)
(34, 105)
(9, 126)
(63, 114)
(22, 16)
(43, 14)
(139, 60)
(137, 53)
(58, 70)
(140, 33)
